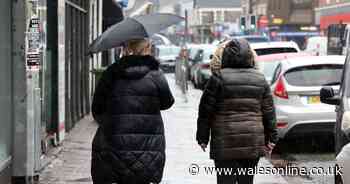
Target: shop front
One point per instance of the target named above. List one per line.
(298, 34)
(334, 14)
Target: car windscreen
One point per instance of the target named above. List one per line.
(314, 75)
(207, 54)
(193, 52)
(275, 50)
(268, 68)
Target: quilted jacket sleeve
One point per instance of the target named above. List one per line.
(269, 116)
(166, 97)
(207, 108)
(101, 95)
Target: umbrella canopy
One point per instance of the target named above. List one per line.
(138, 27)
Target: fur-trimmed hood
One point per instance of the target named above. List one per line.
(238, 54)
(135, 67)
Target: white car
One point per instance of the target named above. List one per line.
(274, 47)
(167, 54)
(159, 39)
(296, 85)
(317, 45)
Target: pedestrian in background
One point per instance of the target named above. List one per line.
(237, 113)
(129, 146)
(215, 62)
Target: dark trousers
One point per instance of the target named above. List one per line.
(233, 165)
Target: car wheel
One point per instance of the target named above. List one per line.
(337, 177)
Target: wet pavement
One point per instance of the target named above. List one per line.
(71, 165)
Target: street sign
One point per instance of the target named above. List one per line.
(33, 55)
(277, 21)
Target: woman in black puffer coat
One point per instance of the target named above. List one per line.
(237, 112)
(129, 146)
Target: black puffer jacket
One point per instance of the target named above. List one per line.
(129, 146)
(237, 110)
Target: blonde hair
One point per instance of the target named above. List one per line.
(138, 47)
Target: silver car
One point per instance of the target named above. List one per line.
(296, 85)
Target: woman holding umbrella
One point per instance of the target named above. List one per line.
(129, 146)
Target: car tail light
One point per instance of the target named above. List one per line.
(205, 66)
(282, 124)
(280, 89)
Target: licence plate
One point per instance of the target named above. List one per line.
(313, 100)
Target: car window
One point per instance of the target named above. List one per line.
(199, 56)
(268, 68)
(207, 53)
(277, 73)
(193, 52)
(276, 50)
(315, 75)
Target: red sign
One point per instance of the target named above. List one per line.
(263, 21)
(325, 21)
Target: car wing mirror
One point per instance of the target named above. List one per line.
(328, 96)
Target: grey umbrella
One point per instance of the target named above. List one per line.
(138, 27)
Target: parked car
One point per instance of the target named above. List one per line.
(295, 84)
(167, 55)
(267, 63)
(317, 46)
(274, 47)
(158, 39)
(330, 96)
(200, 70)
(192, 51)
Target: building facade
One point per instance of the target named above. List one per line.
(6, 93)
(332, 12)
(285, 20)
(212, 19)
(46, 77)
